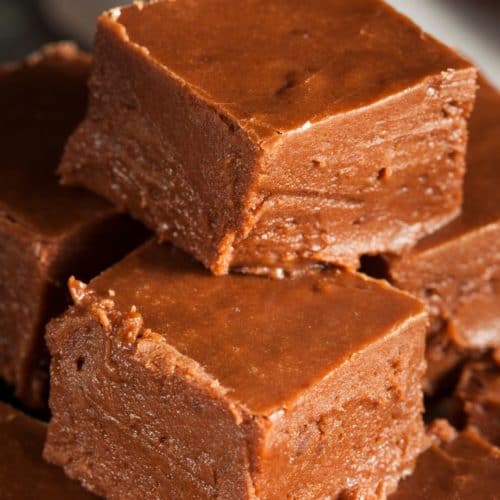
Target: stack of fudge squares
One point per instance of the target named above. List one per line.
(324, 186)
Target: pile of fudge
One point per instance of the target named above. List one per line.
(317, 315)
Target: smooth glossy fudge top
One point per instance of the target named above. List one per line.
(41, 102)
(464, 469)
(481, 196)
(23, 472)
(275, 65)
(264, 340)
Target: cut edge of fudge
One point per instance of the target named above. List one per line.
(456, 271)
(473, 241)
(235, 219)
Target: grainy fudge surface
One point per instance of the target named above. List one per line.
(271, 166)
(24, 475)
(481, 205)
(235, 386)
(465, 468)
(456, 271)
(290, 61)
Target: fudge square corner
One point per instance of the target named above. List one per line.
(170, 383)
(265, 135)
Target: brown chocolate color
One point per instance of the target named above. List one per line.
(479, 391)
(46, 232)
(170, 383)
(465, 468)
(457, 270)
(24, 475)
(266, 135)
(444, 361)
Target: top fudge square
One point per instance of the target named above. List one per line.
(266, 135)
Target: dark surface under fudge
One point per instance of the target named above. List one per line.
(47, 232)
(464, 468)
(479, 393)
(168, 382)
(456, 271)
(266, 135)
(24, 475)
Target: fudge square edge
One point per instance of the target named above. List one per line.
(464, 290)
(462, 293)
(268, 135)
(168, 382)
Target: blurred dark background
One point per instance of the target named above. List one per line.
(21, 28)
(471, 26)
(27, 24)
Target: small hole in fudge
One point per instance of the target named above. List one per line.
(444, 404)
(450, 109)
(300, 33)
(477, 382)
(396, 365)
(374, 266)
(395, 392)
(290, 82)
(319, 163)
(79, 363)
(384, 173)
(205, 59)
(452, 156)
(229, 124)
(9, 217)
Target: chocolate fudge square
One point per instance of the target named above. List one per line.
(47, 232)
(457, 270)
(169, 383)
(462, 467)
(266, 135)
(24, 475)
